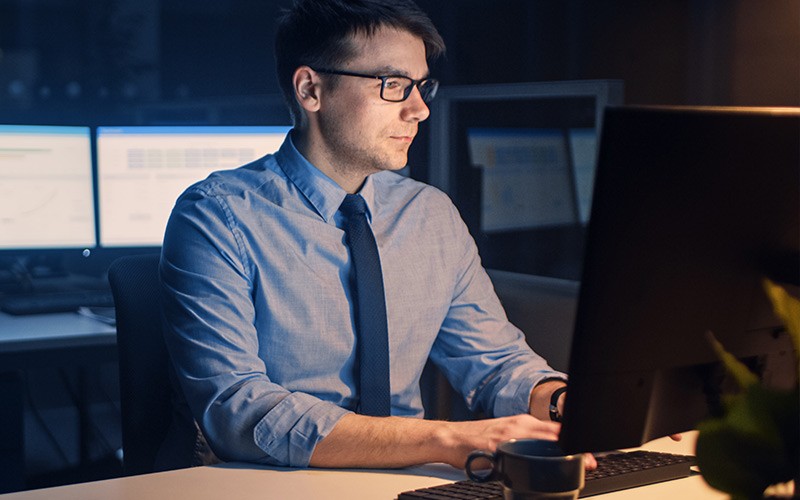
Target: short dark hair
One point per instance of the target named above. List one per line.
(317, 33)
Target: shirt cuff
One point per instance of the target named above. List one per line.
(291, 430)
(520, 402)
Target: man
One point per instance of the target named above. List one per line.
(261, 304)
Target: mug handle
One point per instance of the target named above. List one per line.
(474, 456)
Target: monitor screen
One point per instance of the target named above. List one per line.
(518, 161)
(526, 181)
(692, 209)
(141, 171)
(46, 191)
(583, 155)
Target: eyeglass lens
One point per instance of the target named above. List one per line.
(398, 88)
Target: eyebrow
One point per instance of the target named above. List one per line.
(394, 71)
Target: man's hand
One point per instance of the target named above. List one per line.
(540, 406)
(466, 437)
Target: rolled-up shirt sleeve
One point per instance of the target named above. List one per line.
(207, 288)
(483, 355)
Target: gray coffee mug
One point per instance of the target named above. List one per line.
(531, 469)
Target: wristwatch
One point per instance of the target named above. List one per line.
(555, 416)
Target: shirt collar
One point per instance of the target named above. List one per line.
(324, 194)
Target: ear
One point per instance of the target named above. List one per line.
(307, 87)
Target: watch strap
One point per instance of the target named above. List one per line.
(555, 416)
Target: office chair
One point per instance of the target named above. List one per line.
(158, 432)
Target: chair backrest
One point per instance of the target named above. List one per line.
(144, 366)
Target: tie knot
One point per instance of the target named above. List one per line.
(353, 204)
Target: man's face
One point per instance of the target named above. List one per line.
(364, 133)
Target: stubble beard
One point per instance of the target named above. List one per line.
(349, 156)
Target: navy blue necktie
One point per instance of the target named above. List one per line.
(370, 310)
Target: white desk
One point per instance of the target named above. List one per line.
(246, 482)
(37, 332)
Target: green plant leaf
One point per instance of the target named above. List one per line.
(754, 445)
(787, 308)
(743, 376)
(757, 442)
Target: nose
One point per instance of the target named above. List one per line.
(414, 108)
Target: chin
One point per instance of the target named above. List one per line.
(394, 164)
(400, 162)
(397, 167)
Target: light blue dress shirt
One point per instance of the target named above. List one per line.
(259, 317)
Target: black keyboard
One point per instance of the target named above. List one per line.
(619, 471)
(615, 471)
(55, 302)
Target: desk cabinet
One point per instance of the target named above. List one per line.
(64, 350)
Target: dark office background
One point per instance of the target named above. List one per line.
(96, 60)
(210, 62)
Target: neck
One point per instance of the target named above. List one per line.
(348, 178)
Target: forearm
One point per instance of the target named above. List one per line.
(378, 442)
(390, 442)
(484, 356)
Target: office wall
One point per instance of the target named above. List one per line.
(99, 58)
(738, 52)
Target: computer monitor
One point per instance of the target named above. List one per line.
(583, 156)
(518, 161)
(526, 178)
(692, 209)
(142, 170)
(46, 192)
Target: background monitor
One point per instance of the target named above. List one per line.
(518, 161)
(46, 188)
(526, 178)
(692, 208)
(583, 155)
(141, 171)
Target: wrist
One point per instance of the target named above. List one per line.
(541, 396)
(452, 441)
(444, 438)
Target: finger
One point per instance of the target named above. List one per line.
(549, 431)
(676, 437)
(553, 427)
(538, 428)
(589, 461)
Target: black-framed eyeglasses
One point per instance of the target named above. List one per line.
(395, 88)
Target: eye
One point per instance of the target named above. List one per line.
(394, 82)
